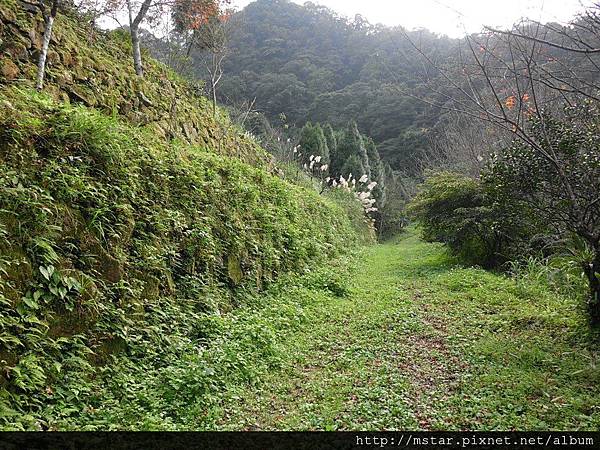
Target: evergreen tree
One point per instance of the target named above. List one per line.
(330, 138)
(313, 142)
(351, 143)
(377, 172)
(354, 166)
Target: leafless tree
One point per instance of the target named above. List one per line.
(190, 16)
(211, 45)
(137, 13)
(462, 145)
(49, 10)
(521, 80)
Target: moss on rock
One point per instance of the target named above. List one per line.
(9, 69)
(95, 69)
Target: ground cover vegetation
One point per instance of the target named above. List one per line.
(190, 244)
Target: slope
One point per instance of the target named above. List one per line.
(120, 244)
(90, 67)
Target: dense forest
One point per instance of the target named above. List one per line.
(281, 218)
(310, 64)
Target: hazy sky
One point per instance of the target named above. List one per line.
(450, 17)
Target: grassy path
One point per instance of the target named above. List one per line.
(419, 343)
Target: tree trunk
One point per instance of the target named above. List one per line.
(593, 274)
(214, 99)
(49, 23)
(137, 53)
(134, 30)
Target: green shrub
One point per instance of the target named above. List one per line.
(453, 209)
(557, 175)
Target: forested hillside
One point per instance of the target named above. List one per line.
(310, 64)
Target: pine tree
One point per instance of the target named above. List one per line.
(354, 166)
(330, 138)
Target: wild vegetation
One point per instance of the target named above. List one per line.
(524, 142)
(109, 237)
(190, 244)
(537, 195)
(117, 239)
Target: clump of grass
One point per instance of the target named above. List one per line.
(560, 273)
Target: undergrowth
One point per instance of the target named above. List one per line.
(119, 253)
(421, 343)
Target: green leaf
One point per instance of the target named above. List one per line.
(47, 271)
(44, 272)
(21, 309)
(31, 302)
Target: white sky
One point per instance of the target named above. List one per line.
(451, 17)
